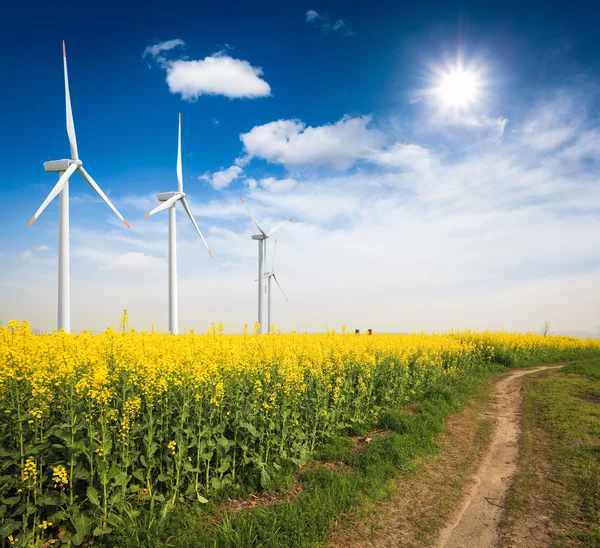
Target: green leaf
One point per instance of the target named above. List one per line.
(51, 498)
(113, 472)
(99, 532)
(138, 474)
(121, 479)
(223, 468)
(163, 477)
(92, 495)
(201, 499)
(253, 431)
(265, 479)
(8, 527)
(10, 500)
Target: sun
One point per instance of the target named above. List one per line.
(458, 88)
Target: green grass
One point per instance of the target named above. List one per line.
(561, 436)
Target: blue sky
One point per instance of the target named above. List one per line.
(407, 216)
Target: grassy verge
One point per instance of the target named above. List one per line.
(555, 497)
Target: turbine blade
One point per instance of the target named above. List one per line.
(94, 185)
(57, 188)
(166, 204)
(277, 282)
(273, 261)
(253, 218)
(187, 210)
(179, 169)
(70, 123)
(276, 228)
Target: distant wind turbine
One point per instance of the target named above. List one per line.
(269, 276)
(262, 250)
(169, 200)
(66, 168)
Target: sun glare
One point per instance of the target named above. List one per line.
(458, 88)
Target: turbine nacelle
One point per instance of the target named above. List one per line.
(56, 166)
(259, 237)
(164, 196)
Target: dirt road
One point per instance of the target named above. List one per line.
(475, 524)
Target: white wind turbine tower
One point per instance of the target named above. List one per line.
(262, 252)
(169, 200)
(271, 275)
(66, 168)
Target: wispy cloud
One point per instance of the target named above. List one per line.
(156, 51)
(135, 261)
(216, 74)
(327, 24)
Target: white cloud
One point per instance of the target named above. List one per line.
(293, 144)
(134, 261)
(156, 49)
(407, 156)
(32, 258)
(222, 179)
(327, 24)
(216, 74)
(552, 124)
(43, 248)
(311, 15)
(493, 127)
(278, 185)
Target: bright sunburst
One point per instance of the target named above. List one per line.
(458, 88)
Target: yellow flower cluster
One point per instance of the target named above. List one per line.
(60, 476)
(30, 470)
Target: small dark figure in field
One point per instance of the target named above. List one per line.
(357, 331)
(370, 331)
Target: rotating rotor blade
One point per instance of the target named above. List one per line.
(187, 210)
(276, 228)
(253, 218)
(179, 169)
(64, 178)
(166, 204)
(94, 185)
(277, 282)
(70, 123)
(273, 260)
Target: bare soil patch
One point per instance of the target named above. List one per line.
(476, 522)
(249, 503)
(361, 441)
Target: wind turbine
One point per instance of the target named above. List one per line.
(66, 168)
(169, 200)
(271, 275)
(262, 250)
